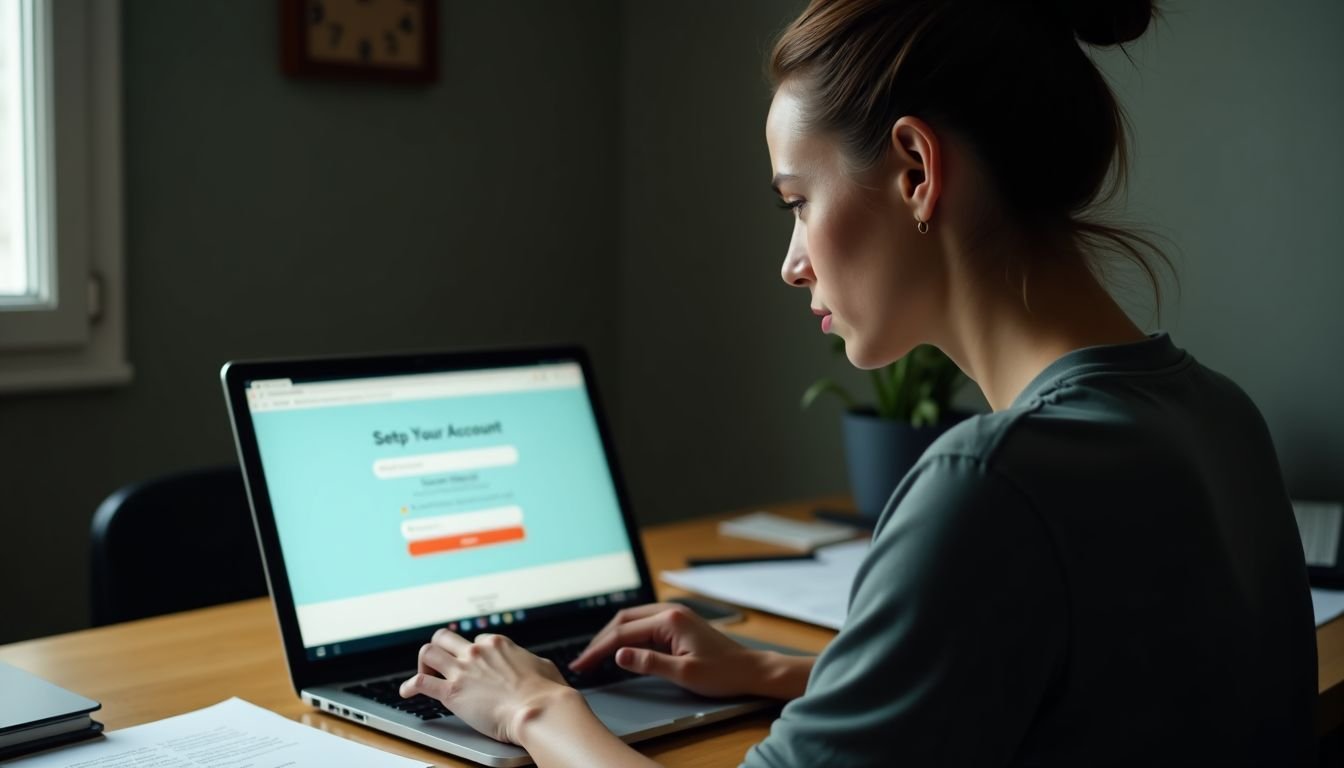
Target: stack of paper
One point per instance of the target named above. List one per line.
(787, 532)
(232, 733)
(815, 591)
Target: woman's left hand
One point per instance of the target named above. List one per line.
(492, 684)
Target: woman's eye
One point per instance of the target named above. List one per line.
(792, 205)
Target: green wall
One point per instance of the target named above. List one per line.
(716, 350)
(596, 172)
(1237, 112)
(1238, 116)
(269, 216)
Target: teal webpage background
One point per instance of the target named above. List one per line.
(340, 525)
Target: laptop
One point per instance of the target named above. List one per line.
(476, 491)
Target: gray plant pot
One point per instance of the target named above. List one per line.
(879, 452)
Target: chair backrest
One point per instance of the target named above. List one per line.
(174, 543)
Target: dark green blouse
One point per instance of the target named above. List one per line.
(1107, 572)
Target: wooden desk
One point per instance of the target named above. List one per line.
(151, 669)
(154, 668)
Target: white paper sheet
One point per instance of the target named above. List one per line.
(1319, 523)
(815, 591)
(818, 592)
(1327, 604)
(232, 734)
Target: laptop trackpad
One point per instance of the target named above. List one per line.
(647, 702)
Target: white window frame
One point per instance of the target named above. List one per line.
(74, 336)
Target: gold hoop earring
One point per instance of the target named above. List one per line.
(922, 226)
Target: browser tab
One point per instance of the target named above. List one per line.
(263, 393)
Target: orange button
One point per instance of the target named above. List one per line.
(464, 541)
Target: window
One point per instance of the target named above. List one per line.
(61, 315)
(16, 274)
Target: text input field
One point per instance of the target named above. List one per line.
(447, 461)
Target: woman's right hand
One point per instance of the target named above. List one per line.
(670, 641)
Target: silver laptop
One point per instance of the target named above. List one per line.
(478, 491)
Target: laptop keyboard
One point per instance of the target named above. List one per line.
(605, 673)
(385, 691)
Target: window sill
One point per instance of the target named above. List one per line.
(64, 378)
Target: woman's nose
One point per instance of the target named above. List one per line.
(797, 269)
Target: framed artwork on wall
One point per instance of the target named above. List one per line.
(387, 40)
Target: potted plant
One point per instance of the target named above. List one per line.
(884, 440)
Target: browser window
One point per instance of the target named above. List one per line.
(403, 502)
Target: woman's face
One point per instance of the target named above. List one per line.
(855, 246)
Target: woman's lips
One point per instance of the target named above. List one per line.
(825, 316)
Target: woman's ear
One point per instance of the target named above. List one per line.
(918, 166)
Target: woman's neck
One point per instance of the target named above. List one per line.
(1004, 333)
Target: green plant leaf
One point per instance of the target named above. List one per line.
(879, 377)
(895, 403)
(917, 389)
(925, 414)
(912, 370)
(823, 386)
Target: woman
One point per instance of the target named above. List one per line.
(1103, 570)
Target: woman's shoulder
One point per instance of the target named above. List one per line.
(1082, 418)
(1115, 441)
(978, 437)
(959, 480)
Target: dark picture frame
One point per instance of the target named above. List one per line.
(297, 61)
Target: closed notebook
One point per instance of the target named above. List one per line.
(787, 532)
(34, 714)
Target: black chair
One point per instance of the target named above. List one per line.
(174, 543)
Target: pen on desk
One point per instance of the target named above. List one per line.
(695, 562)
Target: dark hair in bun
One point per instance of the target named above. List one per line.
(1107, 22)
(1007, 77)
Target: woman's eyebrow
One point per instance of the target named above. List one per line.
(779, 178)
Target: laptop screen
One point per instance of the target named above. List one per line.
(468, 499)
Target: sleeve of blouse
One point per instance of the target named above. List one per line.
(957, 626)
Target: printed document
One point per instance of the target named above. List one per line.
(1327, 604)
(815, 591)
(818, 591)
(231, 733)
